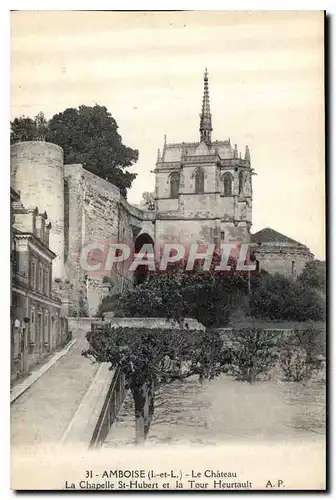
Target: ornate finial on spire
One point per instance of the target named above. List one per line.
(235, 153)
(205, 123)
(164, 145)
(247, 154)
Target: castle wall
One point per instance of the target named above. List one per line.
(235, 232)
(37, 172)
(95, 216)
(286, 260)
(74, 232)
(198, 205)
(188, 178)
(87, 210)
(186, 232)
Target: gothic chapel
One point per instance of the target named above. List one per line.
(203, 189)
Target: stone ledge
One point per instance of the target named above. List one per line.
(82, 426)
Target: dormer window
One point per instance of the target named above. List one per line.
(35, 214)
(47, 233)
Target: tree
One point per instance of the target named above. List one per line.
(89, 135)
(252, 352)
(28, 129)
(149, 358)
(41, 125)
(314, 275)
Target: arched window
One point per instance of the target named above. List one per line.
(199, 180)
(174, 184)
(227, 184)
(257, 266)
(241, 180)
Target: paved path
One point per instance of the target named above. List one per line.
(42, 414)
(22, 386)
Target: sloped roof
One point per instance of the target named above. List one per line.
(269, 235)
(173, 152)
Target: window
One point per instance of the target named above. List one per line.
(33, 275)
(40, 278)
(241, 180)
(16, 333)
(36, 276)
(257, 265)
(227, 184)
(46, 328)
(222, 235)
(34, 221)
(46, 284)
(39, 329)
(293, 268)
(174, 184)
(199, 181)
(32, 327)
(58, 333)
(14, 257)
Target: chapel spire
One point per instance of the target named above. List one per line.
(205, 122)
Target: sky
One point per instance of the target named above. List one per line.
(266, 82)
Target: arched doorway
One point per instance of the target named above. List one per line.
(142, 272)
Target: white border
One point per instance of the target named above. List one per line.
(4, 182)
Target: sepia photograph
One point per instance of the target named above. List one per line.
(168, 250)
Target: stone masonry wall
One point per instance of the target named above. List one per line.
(74, 236)
(94, 216)
(37, 172)
(286, 260)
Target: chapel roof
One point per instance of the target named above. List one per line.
(269, 235)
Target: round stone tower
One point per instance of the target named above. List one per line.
(37, 171)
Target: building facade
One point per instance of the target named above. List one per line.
(276, 253)
(203, 190)
(38, 325)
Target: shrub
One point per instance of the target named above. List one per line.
(303, 355)
(253, 352)
(280, 298)
(314, 275)
(206, 297)
(293, 364)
